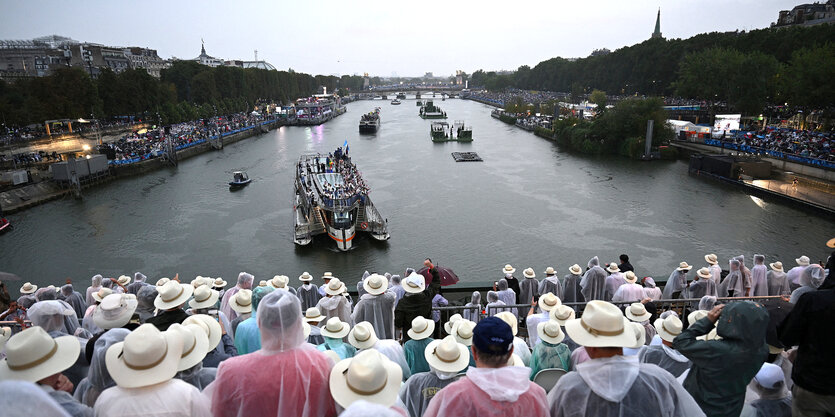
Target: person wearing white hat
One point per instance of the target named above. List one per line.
(115, 311)
(778, 284)
(244, 283)
(773, 396)
(287, 377)
(326, 278)
(205, 301)
(593, 283)
(195, 347)
(170, 300)
(664, 355)
(376, 306)
(282, 282)
(143, 367)
(614, 280)
(546, 303)
(520, 347)
(369, 376)
(121, 284)
(512, 283)
(571, 289)
(247, 334)
(420, 336)
(714, 268)
(677, 281)
(463, 333)
(313, 317)
(221, 345)
(415, 303)
(630, 291)
(362, 337)
(28, 288)
(335, 304)
(701, 286)
(793, 275)
(642, 389)
(549, 352)
(445, 359)
(562, 314)
(334, 331)
(528, 290)
(33, 356)
(308, 292)
(551, 283)
(637, 312)
(241, 304)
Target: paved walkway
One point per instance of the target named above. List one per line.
(800, 192)
(30, 195)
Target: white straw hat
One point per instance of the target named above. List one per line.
(279, 281)
(696, 316)
(508, 269)
(28, 288)
(362, 336)
(204, 297)
(777, 266)
(375, 284)
(550, 332)
(313, 315)
(447, 355)
(305, 330)
(639, 332)
(550, 270)
(562, 314)
(549, 301)
(515, 360)
(528, 273)
(146, 357)
(683, 266)
(668, 328)
(172, 294)
(101, 294)
(630, 277)
(219, 283)
(241, 302)
(162, 281)
(114, 311)
(422, 328)
(613, 267)
(335, 287)
(602, 325)
(510, 319)
(463, 332)
(195, 344)
(414, 283)
(326, 276)
(637, 312)
(575, 270)
(123, 280)
(305, 277)
(335, 328)
(200, 281)
(210, 325)
(803, 260)
(5, 334)
(368, 376)
(262, 283)
(711, 259)
(452, 319)
(704, 273)
(33, 354)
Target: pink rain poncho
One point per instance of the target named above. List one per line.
(499, 392)
(287, 377)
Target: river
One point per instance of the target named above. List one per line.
(528, 204)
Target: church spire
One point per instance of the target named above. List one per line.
(203, 45)
(657, 33)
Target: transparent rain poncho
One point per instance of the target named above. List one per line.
(58, 319)
(715, 273)
(198, 376)
(699, 288)
(707, 303)
(27, 301)
(418, 390)
(74, 299)
(244, 283)
(473, 314)
(137, 284)
(665, 357)
(247, 334)
(397, 288)
(778, 283)
(613, 282)
(360, 289)
(759, 283)
(98, 378)
(392, 350)
(571, 290)
(93, 288)
(414, 351)
(46, 294)
(548, 355)
(734, 281)
(377, 310)
(335, 306)
(528, 290)
(344, 350)
(145, 302)
(494, 305)
(650, 290)
(21, 398)
(746, 273)
(507, 295)
(811, 278)
(553, 285)
(628, 293)
(308, 295)
(675, 283)
(287, 377)
(620, 386)
(362, 408)
(593, 283)
(171, 398)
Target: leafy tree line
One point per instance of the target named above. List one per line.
(185, 91)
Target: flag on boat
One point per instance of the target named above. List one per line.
(346, 146)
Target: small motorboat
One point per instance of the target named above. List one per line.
(239, 179)
(5, 225)
(395, 101)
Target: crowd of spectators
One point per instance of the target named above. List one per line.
(32, 132)
(804, 143)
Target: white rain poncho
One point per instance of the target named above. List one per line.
(315, 337)
(494, 305)
(245, 283)
(734, 281)
(811, 278)
(699, 288)
(418, 390)
(377, 310)
(68, 403)
(335, 306)
(666, 358)
(94, 287)
(528, 290)
(21, 398)
(613, 282)
(392, 350)
(137, 284)
(620, 386)
(396, 288)
(778, 283)
(360, 289)
(287, 377)
(362, 408)
(57, 318)
(551, 284)
(547, 355)
(473, 314)
(715, 273)
(707, 303)
(794, 276)
(308, 295)
(247, 333)
(507, 295)
(593, 284)
(98, 378)
(531, 322)
(675, 283)
(520, 348)
(571, 290)
(74, 299)
(759, 283)
(198, 376)
(145, 302)
(627, 293)
(505, 391)
(46, 294)
(650, 290)
(171, 398)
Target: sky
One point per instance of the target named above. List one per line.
(406, 38)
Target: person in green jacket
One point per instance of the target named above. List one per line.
(723, 368)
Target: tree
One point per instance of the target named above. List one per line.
(807, 80)
(599, 98)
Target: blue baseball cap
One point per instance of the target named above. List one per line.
(492, 335)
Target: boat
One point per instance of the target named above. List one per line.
(443, 132)
(431, 111)
(332, 199)
(401, 96)
(239, 179)
(419, 103)
(370, 122)
(395, 101)
(5, 225)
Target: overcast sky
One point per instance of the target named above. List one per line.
(381, 37)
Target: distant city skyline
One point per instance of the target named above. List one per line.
(338, 37)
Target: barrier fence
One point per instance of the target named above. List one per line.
(772, 153)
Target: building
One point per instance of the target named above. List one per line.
(93, 57)
(250, 64)
(35, 57)
(206, 59)
(657, 32)
(807, 15)
(146, 59)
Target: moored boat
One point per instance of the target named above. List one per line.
(5, 225)
(431, 111)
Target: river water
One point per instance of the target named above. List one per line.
(528, 204)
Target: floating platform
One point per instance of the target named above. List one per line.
(466, 157)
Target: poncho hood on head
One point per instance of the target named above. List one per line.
(502, 285)
(610, 378)
(813, 276)
(501, 384)
(745, 322)
(594, 262)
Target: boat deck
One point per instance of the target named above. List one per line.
(466, 157)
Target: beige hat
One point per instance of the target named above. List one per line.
(368, 376)
(777, 266)
(711, 259)
(803, 260)
(195, 344)
(219, 283)
(335, 287)
(630, 277)
(637, 312)
(422, 328)
(550, 270)
(640, 334)
(508, 269)
(114, 311)
(262, 283)
(375, 284)
(162, 281)
(146, 357)
(515, 360)
(612, 268)
(313, 315)
(831, 243)
(683, 266)
(123, 280)
(452, 319)
(528, 273)
(668, 328)
(200, 281)
(326, 276)
(204, 297)
(305, 330)
(510, 319)
(5, 334)
(241, 302)
(33, 354)
(696, 316)
(550, 332)
(414, 283)
(173, 294)
(28, 288)
(335, 328)
(362, 336)
(210, 325)
(463, 332)
(306, 277)
(333, 356)
(602, 325)
(101, 294)
(575, 269)
(549, 301)
(279, 281)
(704, 273)
(447, 355)
(562, 314)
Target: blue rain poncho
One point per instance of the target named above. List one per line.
(665, 357)
(473, 314)
(344, 350)
(593, 283)
(546, 355)
(247, 335)
(308, 295)
(418, 390)
(415, 358)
